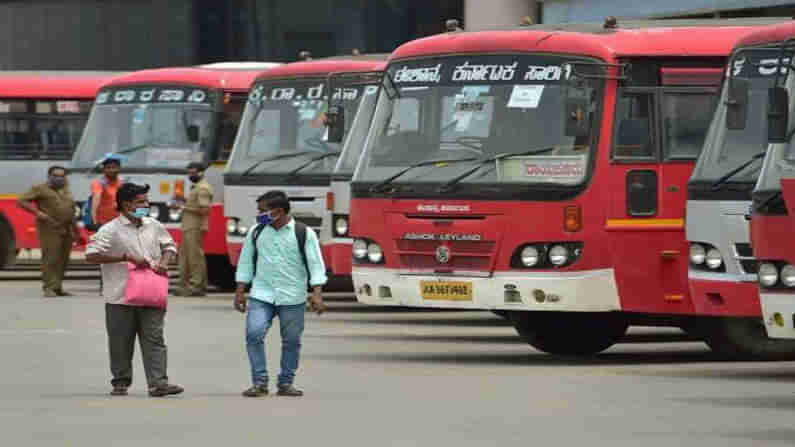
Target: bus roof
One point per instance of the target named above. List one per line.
(53, 84)
(237, 78)
(769, 34)
(326, 66)
(641, 38)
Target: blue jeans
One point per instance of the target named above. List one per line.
(258, 321)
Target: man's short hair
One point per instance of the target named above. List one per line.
(111, 161)
(128, 192)
(197, 165)
(55, 168)
(276, 199)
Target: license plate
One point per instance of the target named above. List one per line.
(446, 290)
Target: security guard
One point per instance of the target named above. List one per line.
(195, 216)
(56, 225)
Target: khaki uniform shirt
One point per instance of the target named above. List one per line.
(56, 203)
(201, 195)
(120, 236)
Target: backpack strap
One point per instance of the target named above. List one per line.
(300, 235)
(254, 236)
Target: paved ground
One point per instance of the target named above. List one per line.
(375, 377)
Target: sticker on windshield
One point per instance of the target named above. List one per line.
(138, 115)
(555, 169)
(525, 96)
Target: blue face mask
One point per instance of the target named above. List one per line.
(140, 213)
(264, 218)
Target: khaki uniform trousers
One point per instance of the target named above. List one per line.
(192, 264)
(55, 249)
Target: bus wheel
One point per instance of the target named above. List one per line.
(220, 272)
(570, 333)
(8, 247)
(746, 338)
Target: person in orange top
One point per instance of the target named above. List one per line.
(103, 192)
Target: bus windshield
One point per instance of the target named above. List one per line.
(355, 139)
(151, 127)
(477, 107)
(780, 160)
(283, 127)
(727, 149)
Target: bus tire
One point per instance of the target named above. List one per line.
(220, 272)
(745, 338)
(8, 246)
(569, 333)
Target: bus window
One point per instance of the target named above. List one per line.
(15, 138)
(686, 118)
(634, 134)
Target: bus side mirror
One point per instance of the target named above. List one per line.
(576, 111)
(737, 103)
(777, 114)
(335, 120)
(192, 133)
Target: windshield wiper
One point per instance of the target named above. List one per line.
(379, 187)
(447, 186)
(721, 181)
(274, 158)
(312, 160)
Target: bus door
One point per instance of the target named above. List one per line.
(658, 134)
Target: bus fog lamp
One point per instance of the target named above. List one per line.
(231, 226)
(788, 275)
(359, 249)
(768, 274)
(242, 229)
(558, 255)
(714, 259)
(78, 212)
(697, 254)
(374, 253)
(341, 226)
(175, 214)
(154, 212)
(530, 256)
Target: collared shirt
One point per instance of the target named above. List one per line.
(200, 196)
(56, 203)
(121, 236)
(106, 210)
(281, 276)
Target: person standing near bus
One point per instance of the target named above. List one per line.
(195, 223)
(56, 227)
(103, 192)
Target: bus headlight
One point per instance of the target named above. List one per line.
(788, 275)
(242, 229)
(374, 253)
(154, 212)
(530, 256)
(768, 274)
(697, 254)
(175, 214)
(341, 226)
(558, 255)
(359, 249)
(714, 259)
(231, 226)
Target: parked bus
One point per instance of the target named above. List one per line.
(773, 211)
(722, 272)
(284, 144)
(540, 172)
(42, 115)
(339, 242)
(160, 120)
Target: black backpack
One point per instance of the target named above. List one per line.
(300, 235)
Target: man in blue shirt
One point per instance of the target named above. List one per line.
(278, 273)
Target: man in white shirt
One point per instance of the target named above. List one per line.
(135, 238)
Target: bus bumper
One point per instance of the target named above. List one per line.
(583, 291)
(778, 314)
(724, 295)
(337, 256)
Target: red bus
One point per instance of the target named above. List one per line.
(284, 144)
(42, 115)
(773, 199)
(145, 116)
(541, 173)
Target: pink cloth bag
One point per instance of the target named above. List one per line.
(145, 288)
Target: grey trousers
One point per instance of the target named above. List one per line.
(123, 324)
